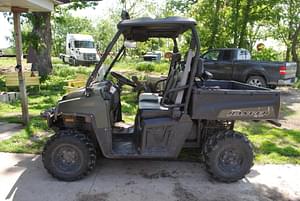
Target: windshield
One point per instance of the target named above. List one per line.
(84, 44)
(102, 72)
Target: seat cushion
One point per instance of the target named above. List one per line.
(154, 113)
(149, 101)
(149, 104)
(148, 96)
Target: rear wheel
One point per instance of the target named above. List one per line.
(228, 156)
(69, 155)
(257, 81)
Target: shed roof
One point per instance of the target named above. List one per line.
(31, 5)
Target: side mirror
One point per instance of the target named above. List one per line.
(129, 44)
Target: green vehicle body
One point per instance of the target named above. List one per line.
(196, 114)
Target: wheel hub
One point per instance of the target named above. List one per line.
(67, 158)
(255, 82)
(230, 160)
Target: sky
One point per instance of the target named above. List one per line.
(101, 11)
(5, 30)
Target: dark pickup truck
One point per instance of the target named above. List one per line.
(236, 64)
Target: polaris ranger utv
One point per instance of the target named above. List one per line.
(192, 111)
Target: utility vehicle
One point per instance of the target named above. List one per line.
(192, 111)
(80, 50)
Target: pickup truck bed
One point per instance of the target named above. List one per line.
(235, 64)
(230, 100)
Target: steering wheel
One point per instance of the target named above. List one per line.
(123, 80)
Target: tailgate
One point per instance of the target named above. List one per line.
(289, 71)
(228, 100)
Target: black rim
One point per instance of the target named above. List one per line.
(230, 160)
(67, 158)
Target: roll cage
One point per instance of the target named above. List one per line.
(142, 29)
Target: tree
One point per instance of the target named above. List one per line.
(41, 41)
(285, 27)
(295, 43)
(42, 37)
(104, 32)
(222, 23)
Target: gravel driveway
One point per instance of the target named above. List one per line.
(22, 177)
(290, 108)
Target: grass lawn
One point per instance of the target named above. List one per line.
(272, 145)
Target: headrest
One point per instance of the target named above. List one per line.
(176, 56)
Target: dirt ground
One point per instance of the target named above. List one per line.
(23, 178)
(290, 108)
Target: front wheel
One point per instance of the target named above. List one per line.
(228, 156)
(257, 81)
(69, 155)
(74, 62)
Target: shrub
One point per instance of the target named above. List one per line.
(162, 67)
(266, 54)
(146, 66)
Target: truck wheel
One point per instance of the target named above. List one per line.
(228, 156)
(69, 155)
(74, 62)
(257, 81)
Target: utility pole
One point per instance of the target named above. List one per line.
(19, 56)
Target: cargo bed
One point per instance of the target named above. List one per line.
(230, 100)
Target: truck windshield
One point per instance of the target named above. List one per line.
(84, 44)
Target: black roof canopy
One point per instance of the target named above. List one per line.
(143, 28)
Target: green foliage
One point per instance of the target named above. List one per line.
(266, 54)
(29, 140)
(129, 105)
(235, 23)
(273, 145)
(104, 33)
(145, 66)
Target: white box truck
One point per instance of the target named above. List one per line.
(80, 50)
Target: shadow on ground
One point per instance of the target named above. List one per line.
(138, 180)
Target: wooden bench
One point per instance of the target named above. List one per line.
(32, 78)
(78, 82)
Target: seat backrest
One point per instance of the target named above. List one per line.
(178, 78)
(184, 77)
(176, 57)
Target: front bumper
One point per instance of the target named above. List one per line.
(289, 81)
(87, 62)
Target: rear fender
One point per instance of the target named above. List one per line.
(256, 72)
